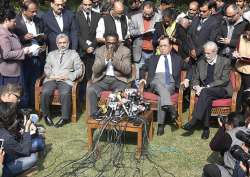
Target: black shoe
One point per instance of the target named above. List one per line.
(48, 121)
(61, 123)
(188, 127)
(160, 130)
(205, 134)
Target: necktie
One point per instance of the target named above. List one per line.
(167, 73)
(61, 57)
(88, 18)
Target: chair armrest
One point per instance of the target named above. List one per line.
(238, 81)
(39, 81)
(141, 88)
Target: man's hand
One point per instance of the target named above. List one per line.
(32, 129)
(2, 153)
(236, 54)
(28, 36)
(224, 41)
(63, 77)
(185, 83)
(27, 124)
(198, 89)
(109, 54)
(90, 50)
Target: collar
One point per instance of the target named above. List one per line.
(214, 61)
(26, 20)
(57, 15)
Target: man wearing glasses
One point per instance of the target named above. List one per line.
(59, 20)
(201, 30)
(232, 27)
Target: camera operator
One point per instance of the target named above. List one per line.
(241, 153)
(222, 142)
(20, 155)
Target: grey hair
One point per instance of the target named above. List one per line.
(62, 35)
(211, 44)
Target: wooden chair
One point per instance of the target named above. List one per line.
(56, 96)
(220, 106)
(177, 99)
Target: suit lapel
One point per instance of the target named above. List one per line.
(174, 64)
(204, 70)
(53, 19)
(65, 20)
(217, 67)
(22, 24)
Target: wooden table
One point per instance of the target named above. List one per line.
(125, 126)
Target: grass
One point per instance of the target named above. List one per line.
(176, 154)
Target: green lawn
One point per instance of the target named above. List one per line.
(172, 153)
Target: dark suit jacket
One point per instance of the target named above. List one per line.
(52, 29)
(180, 35)
(87, 33)
(221, 74)
(151, 65)
(21, 28)
(121, 62)
(198, 38)
(222, 33)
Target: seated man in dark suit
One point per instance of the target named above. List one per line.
(163, 77)
(63, 66)
(111, 70)
(211, 81)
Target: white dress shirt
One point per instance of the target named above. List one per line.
(30, 25)
(161, 64)
(59, 19)
(100, 30)
(110, 68)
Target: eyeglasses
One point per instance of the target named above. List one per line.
(232, 16)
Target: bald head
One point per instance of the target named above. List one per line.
(194, 4)
(232, 13)
(118, 6)
(193, 8)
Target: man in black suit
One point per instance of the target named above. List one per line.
(211, 82)
(163, 77)
(59, 20)
(87, 21)
(29, 29)
(228, 35)
(201, 29)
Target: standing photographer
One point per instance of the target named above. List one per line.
(222, 142)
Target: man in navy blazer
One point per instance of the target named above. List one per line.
(59, 20)
(163, 77)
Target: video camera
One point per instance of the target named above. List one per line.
(238, 153)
